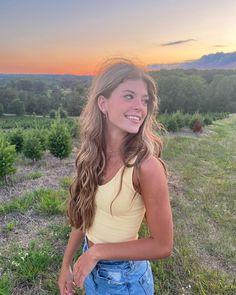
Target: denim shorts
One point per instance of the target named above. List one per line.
(123, 277)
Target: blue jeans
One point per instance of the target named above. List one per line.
(123, 277)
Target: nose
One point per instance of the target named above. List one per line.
(138, 103)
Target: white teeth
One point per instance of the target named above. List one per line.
(134, 118)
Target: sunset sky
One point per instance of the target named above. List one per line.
(74, 36)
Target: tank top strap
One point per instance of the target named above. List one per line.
(128, 173)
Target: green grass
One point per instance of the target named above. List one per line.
(56, 232)
(30, 266)
(10, 226)
(38, 265)
(45, 201)
(34, 175)
(65, 182)
(5, 285)
(204, 210)
(14, 179)
(203, 200)
(29, 263)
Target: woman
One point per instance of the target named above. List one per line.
(120, 180)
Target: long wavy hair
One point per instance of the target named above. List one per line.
(91, 158)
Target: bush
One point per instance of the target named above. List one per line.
(1, 109)
(197, 126)
(73, 127)
(59, 140)
(7, 157)
(32, 147)
(196, 118)
(62, 113)
(172, 124)
(42, 135)
(207, 120)
(16, 138)
(52, 114)
(187, 119)
(179, 118)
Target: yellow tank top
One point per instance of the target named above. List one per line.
(123, 223)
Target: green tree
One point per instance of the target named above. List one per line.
(1, 109)
(7, 158)
(74, 104)
(32, 148)
(59, 139)
(42, 104)
(17, 107)
(7, 96)
(16, 138)
(25, 85)
(52, 114)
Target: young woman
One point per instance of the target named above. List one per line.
(120, 180)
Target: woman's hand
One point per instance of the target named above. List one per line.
(83, 266)
(65, 282)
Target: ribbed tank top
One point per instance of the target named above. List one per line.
(123, 223)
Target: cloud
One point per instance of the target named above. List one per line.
(218, 45)
(177, 42)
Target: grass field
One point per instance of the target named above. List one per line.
(203, 189)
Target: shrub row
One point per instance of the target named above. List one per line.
(32, 144)
(33, 122)
(175, 121)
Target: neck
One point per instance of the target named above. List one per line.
(113, 144)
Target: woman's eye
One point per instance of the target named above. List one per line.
(129, 96)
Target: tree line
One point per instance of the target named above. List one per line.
(31, 96)
(196, 90)
(185, 90)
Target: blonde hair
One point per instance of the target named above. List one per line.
(91, 159)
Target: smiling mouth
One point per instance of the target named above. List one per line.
(133, 118)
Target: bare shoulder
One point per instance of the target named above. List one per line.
(152, 178)
(151, 167)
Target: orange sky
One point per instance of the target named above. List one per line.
(73, 37)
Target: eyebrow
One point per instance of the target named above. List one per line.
(127, 90)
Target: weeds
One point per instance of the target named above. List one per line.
(34, 175)
(10, 226)
(45, 201)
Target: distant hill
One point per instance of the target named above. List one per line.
(219, 60)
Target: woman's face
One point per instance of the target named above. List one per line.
(126, 108)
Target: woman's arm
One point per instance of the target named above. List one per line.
(65, 281)
(154, 190)
(75, 240)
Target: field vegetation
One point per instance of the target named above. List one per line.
(202, 181)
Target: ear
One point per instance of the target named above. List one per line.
(102, 104)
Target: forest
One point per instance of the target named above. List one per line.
(186, 90)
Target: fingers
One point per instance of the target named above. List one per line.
(62, 289)
(79, 281)
(69, 291)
